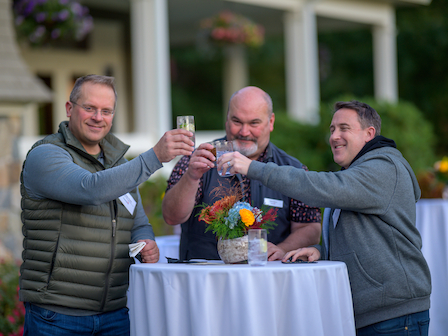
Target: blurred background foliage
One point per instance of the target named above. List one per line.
(152, 192)
(346, 68)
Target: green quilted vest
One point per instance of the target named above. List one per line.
(77, 256)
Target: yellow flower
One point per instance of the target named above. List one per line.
(443, 168)
(247, 217)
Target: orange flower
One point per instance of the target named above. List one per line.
(247, 217)
(209, 214)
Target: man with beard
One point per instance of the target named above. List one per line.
(250, 120)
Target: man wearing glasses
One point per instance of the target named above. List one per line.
(81, 210)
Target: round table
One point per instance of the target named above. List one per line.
(218, 299)
(432, 222)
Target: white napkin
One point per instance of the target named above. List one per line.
(135, 248)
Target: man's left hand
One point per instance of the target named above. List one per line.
(150, 253)
(234, 162)
(275, 252)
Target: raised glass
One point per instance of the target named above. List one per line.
(187, 123)
(223, 147)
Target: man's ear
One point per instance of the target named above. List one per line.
(370, 133)
(68, 109)
(271, 122)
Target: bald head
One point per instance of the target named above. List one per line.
(252, 95)
(250, 120)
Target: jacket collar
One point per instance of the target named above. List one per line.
(113, 148)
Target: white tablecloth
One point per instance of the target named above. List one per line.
(232, 300)
(168, 247)
(432, 222)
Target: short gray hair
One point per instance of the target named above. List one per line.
(94, 79)
(367, 115)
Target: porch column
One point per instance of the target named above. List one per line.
(62, 88)
(150, 64)
(302, 68)
(385, 59)
(235, 71)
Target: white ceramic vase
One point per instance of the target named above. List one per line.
(233, 251)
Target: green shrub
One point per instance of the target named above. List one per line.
(12, 311)
(402, 122)
(152, 192)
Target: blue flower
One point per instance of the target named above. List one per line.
(234, 213)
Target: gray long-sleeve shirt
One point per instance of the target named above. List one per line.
(50, 173)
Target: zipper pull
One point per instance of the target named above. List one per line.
(114, 227)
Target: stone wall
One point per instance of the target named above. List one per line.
(10, 168)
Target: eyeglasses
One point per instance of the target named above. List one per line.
(94, 111)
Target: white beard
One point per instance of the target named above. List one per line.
(245, 150)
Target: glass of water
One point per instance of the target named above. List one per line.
(223, 147)
(257, 253)
(187, 123)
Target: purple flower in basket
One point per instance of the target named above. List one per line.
(37, 34)
(43, 21)
(55, 33)
(40, 17)
(29, 7)
(77, 9)
(63, 15)
(19, 19)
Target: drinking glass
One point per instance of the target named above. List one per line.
(257, 254)
(223, 147)
(187, 123)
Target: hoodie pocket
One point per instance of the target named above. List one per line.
(368, 294)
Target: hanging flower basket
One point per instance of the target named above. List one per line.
(229, 28)
(51, 22)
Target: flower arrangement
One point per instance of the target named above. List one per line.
(434, 182)
(46, 21)
(12, 311)
(229, 28)
(229, 217)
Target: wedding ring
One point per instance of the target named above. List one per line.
(228, 164)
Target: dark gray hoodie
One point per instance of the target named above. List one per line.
(375, 233)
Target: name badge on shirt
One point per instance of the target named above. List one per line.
(336, 214)
(273, 202)
(129, 202)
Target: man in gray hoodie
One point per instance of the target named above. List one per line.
(369, 222)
